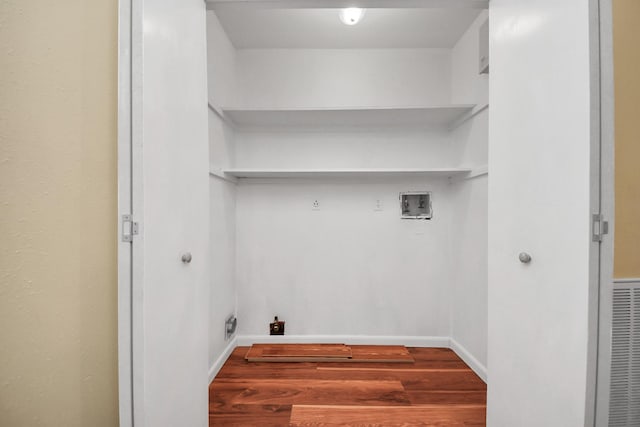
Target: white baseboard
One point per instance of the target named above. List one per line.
(219, 362)
(468, 358)
(409, 341)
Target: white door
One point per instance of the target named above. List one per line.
(170, 200)
(540, 153)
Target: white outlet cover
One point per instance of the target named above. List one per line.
(315, 205)
(378, 205)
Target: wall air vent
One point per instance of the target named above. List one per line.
(624, 403)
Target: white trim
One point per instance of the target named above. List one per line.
(409, 341)
(471, 114)
(216, 110)
(125, 347)
(220, 361)
(474, 173)
(595, 207)
(219, 173)
(469, 359)
(220, 114)
(479, 171)
(602, 303)
(137, 209)
(319, 4)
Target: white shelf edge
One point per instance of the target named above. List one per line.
(328, 173)
(233, 116)
(219, 112)
(471, 114)
(478, 171)
(220, 174)
(473, 173)
(346, 108)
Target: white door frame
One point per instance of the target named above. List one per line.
(125, 379)
(130, 330)
(606, 124)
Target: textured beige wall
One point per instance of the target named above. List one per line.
(626, 45)
(58, 189)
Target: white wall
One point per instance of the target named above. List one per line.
(222, 200)
(469, 215)
(367, 148)
(469, 243)
(469, 275)
(539, 146)
(316, 78)
(222, 194)
(345, 269)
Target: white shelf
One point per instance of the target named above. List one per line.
(345, 173)
(444, 115)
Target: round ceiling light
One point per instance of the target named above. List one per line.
(351, 15)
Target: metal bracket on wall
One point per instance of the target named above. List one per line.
(230, 325)
(129, 228)
(599, 227)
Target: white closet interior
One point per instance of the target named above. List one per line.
(315, 128)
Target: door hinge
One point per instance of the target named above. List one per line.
(129, 228)
(599, 227)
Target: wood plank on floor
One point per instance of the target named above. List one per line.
(303, 350)
(447, 397)
(374, 370)
(228, 392)
(381, 354)
(445, 381)
(431, 354)
(389, 416)
(249, 415)
(288, 353)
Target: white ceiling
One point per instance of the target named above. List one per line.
(321, 28)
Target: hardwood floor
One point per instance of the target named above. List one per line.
(439, 389)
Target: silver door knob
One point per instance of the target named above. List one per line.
(186, 257)
(524, 258)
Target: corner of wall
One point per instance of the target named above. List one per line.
(221, 63)
(467, 86)
(221, 70)
(469, 359)
(218, 363)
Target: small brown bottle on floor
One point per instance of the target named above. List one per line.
(277, 327)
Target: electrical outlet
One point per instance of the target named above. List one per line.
(316, 205)
(378, 205)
